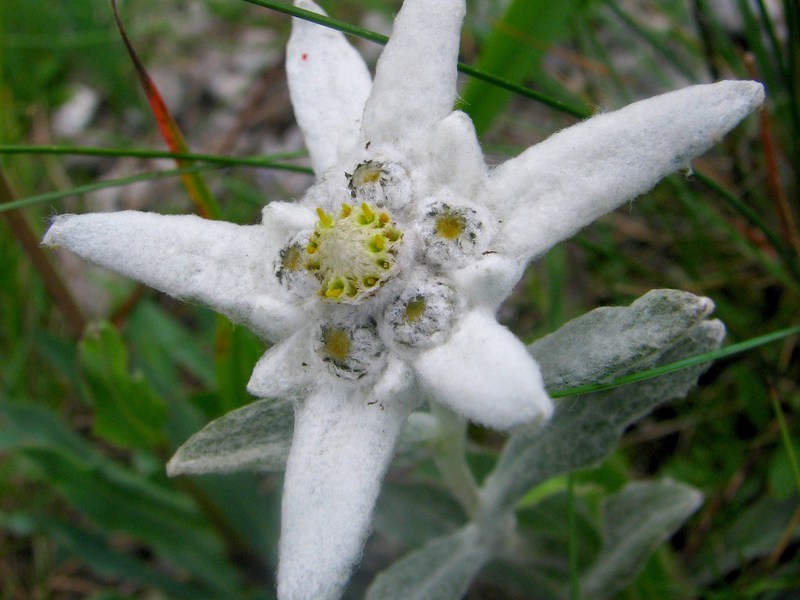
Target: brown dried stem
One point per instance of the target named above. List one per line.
(53, 282)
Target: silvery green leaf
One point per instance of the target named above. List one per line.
(635, 522)
(255, 437)
(440, 570)
(585, 428)
(433, 511)
(603, 343)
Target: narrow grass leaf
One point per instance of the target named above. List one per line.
(195, 186)
(270, 161)
(382, 39)
(514, 51)
(101, 185)
(786, 438)
(752, 216)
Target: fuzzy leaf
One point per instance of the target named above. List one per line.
(255, 437)
(635, 522)
(585, 428)
(440, 570)
(604, 343)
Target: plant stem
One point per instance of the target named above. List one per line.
(52, 280)
(449, 454)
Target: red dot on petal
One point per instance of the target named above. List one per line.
(305, 56)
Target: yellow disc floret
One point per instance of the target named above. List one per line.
(354, 253)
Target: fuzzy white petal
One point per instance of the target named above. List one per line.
(286, 369)
(329, 84)
(488, 281)
(343, 442)
(485, 373)
(415, 79)
(221, 265)
(456, 156)
(557, 187)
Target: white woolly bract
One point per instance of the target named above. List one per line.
(557, 187)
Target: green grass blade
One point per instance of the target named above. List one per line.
(748, 213)
(651, 39)
(514, 50)
(197, 189)
(110, 183)
(786, 438)
(270, 161)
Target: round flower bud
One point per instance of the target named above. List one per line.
(452, 232)
(384, 184)
(422, 315)
(353, 255)
(350, 351)
(291, 266)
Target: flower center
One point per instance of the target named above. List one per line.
(450, 225)
(353, 255)
(350, 351)
(336, 344)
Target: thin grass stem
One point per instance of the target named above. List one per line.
(270, 161)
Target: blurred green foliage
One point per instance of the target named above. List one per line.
(87, 425)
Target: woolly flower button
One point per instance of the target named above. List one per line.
(378, 289)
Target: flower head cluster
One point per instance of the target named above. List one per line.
(378, 289)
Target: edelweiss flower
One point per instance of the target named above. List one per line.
(378, 289)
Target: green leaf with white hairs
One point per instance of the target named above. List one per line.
(255, 437)
(635, 522)
(604, 343)
(440, 570)
(585, 428)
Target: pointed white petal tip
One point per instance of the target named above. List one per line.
(52, 237)
(343, 442)
(485, 373)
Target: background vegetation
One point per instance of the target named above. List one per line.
(100, 379)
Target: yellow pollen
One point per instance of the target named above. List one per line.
(336, 344)
(369, 216)
(415, 309)
(370, 175)
(450, 226)
(377, 243)
(352, 255)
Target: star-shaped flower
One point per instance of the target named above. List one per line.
(378, 289)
